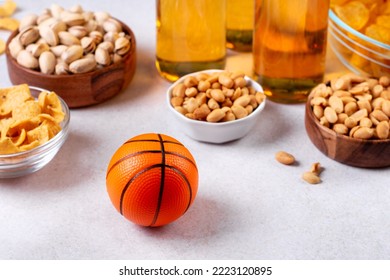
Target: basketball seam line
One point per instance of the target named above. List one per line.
(162, 180)
(159, 165)
(145, 152)
(153, 140)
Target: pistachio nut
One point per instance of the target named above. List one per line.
(82, 65)
(58, 50)
(122, 46)
(72, 19)
(56, 10)
(72, 53)
(101, 17)
(15, 46)
(68, 39)
(88, 44)
(113, 25)
(27, 60)
(102, 57)
(78, 31)
(107, 46)
(48, 34)
(97, 36)
(29, 35)
(47, 62)
(37, 49)
(27, 21)
(62, 68)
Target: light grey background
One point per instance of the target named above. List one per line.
(248, 205)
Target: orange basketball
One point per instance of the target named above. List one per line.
(152, 179)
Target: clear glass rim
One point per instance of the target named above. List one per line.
(343, 25)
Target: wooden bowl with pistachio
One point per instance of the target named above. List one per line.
(85, 57)
(347, 119)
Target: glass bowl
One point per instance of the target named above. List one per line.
(27, 162)
(358, 52)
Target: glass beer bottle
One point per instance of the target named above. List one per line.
(239, 24)
(289, 47)
(191, 36)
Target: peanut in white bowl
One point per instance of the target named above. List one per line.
(219, 132)
(27, 162)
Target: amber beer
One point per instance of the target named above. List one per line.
(191, 36)
(239, 24)
(289, 47)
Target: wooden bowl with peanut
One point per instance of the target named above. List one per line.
(347, 119)
(85, 57)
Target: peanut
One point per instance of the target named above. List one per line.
(311, 177)
(218, 97)
(354, 105)
(285, 158)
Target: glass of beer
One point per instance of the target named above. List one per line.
(289, 47)
(239, 24)
(191, 36)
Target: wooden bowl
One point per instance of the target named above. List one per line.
(79, 90)
(344, 149)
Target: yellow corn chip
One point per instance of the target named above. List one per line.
(8, 8)
(50, 104)
(29, 146)
(8, 23)
(52, 127)
(26, 110)
(17, 126)
(2, 46)
(7, 147)
(383, 21)
(18, 140)
(353, 13)
(379, 33)
(40, 134)
(10, 97)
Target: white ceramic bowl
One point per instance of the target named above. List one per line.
(216, 132)
(23, 163)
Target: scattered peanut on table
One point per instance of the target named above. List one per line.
(217, 97)
(354, 106)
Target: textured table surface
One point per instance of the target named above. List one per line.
(248, 205)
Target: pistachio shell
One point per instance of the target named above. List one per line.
(72, 19)
(82, 65)
(78, 31)
(72, 53)
(48, 34)
(29, 35)
(62, 68)
(122, 46)
(27, 21)
(37, 49)
(15, 46)
(47, 62)
(26, 59)
(88, 44)
(112, 25)
(68, 39)
(58, 50)
(102, 57)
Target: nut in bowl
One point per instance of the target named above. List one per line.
(347, 119)
(85, 57)
(216, 106)
(359, 36)
(33, 131)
